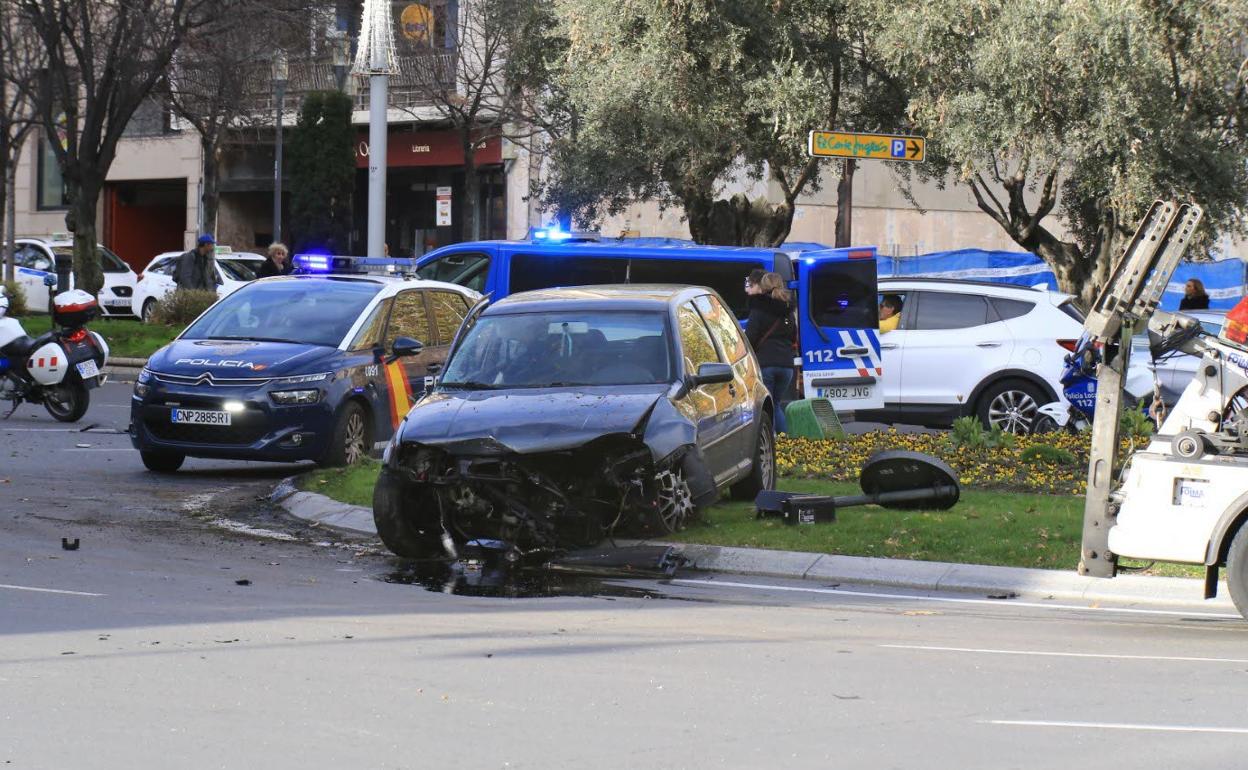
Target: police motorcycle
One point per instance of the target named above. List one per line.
(58, 368)
(1078, 381)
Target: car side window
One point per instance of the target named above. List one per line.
(24, 255)
(1010, 308)
(947, 310)
(410, 318)
(449, 310)
(541, 271)
(369, 336)
(723, 326)
(468, 270)
(695, 339)
(36, 258)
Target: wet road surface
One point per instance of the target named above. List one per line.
(197, 627)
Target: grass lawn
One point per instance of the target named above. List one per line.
(131, 338)
(1021, 530)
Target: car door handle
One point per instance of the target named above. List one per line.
(732, 389)
(988, 345)
(851, 352)
(889, 346)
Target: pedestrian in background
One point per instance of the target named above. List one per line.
(276, 261)
(197, 268)
(771, 332)
(1194, 296)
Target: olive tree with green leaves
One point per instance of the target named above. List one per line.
(672, 99)
(1078, 112)
(321, 160)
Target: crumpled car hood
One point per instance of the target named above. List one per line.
(527, 420)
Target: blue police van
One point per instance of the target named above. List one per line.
(838, 320)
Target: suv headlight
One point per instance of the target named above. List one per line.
(141, 388)
(295, 397)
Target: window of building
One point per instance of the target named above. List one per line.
(52, 193)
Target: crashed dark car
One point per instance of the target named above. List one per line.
(566, 415)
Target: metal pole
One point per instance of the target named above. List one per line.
(377, 85)
(1095, 558)
(280, 92)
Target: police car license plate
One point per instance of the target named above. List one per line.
(847, 392)
(88, 369)
(199, 417)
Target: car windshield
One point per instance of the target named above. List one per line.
(109, 262)
(558, 349)
(309, 312)
(237, 269)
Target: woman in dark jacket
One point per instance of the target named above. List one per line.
(1194, 296)
(276, 262)
(771, 332)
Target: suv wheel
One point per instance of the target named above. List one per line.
(1013, 405)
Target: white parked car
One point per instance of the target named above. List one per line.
(235, 269)
(962, 348)
(35, 258)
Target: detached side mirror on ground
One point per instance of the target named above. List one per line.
(712, 374)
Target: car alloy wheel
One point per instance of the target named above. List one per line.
(353, 439)
(767, 459)
(1013, 411)
(674, 500)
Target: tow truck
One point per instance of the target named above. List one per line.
(1183, 497)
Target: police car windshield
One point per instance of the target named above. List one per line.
(562, 349)
(309, 312)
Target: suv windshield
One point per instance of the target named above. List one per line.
(541, 350)
(308, 312)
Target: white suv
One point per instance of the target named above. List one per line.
(969, 348)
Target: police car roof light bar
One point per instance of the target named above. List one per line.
(553, 234)
(335, 263)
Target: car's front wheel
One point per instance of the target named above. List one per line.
(763, 470)
(1012, 405)
(149, 306)
(393, 515)
(351, 440)
(674, 507)
(162, 462)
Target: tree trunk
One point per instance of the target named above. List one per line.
(6, 200)
(210, 196)
(845, 204)
(472, 191)
(81, 220)
(739, 221)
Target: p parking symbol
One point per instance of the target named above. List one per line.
(899, 148)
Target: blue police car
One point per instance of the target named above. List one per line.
(305, 367)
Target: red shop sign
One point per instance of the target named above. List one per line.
(427, 148)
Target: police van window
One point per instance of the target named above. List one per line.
(468, 270)
(542, 271)
(449, 310)
(947, 310)
(409, 319)
(369, 335)
(723, 326)
(843, 295)
(727, 278)
(695, 340)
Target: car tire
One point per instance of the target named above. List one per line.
(763, 469)
(145, 313)
(1237, 570)
(162, 462)
(396, 528)
(351, 440)
(674, 507)
(1012, 404)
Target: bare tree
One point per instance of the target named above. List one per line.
(21, 59)
(474, 97)
(104, 58)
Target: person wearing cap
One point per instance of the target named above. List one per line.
(197, 268)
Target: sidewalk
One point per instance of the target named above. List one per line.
(1003, 582)
(124, 370)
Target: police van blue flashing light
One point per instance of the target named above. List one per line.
(554, 234)
(333, 263)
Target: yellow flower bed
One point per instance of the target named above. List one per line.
(1001, 468)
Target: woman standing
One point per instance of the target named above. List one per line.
(276, 262)
(771, 332)
(1194, 296)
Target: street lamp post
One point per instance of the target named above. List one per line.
(374, 58)
(280, 75)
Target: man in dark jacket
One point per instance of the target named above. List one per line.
(197, 268)
(771, 332)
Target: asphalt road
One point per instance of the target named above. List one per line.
(142, 649)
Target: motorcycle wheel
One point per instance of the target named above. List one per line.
(67, 402)
(1044, 424)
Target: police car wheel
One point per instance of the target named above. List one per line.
(763, 470)
(162, 462)
(352, 438)
(1237, 570)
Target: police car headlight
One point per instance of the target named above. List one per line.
(293, 397)
(141, 388)
(303, 378)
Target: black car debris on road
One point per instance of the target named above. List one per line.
(566, 415)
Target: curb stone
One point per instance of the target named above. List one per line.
(971, 579)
